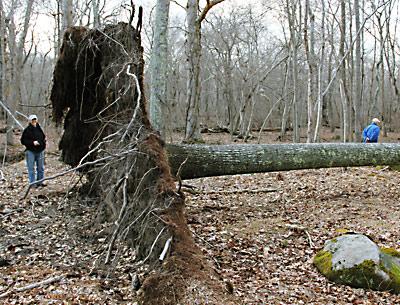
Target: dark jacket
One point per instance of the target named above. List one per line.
(31, 134)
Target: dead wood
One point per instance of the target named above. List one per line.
(33, 285)
(98, 93)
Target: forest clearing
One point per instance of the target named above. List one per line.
(258, 231)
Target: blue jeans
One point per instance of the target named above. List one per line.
(33, 158)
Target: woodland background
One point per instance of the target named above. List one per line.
(292, 65)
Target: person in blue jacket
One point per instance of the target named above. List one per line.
(371, 132)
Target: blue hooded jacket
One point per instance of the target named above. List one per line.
(371, 133)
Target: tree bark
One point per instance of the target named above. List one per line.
(321, 68)
(309, 29)
(16, 44)
(198, 161)
(343, 77)
(291, 10)
(96, 13)
(357, 76)
(158, 68)
(2, 32)
(193, 54)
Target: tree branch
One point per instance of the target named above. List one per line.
(209, 5)
(10, 113)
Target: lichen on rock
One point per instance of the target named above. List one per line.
(355, 260)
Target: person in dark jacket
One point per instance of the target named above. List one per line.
(371, 132)
(34, 139)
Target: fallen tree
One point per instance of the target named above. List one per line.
(98, 93)
(195, 161)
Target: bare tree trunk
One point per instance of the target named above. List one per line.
(193, 56)
(343, 79)
(65, 19)
(350, 76)
(287, 105)
(291, 7)
(327, 105)
(372, 85)
(344, 102)
(96, 13)
(391, 61)
(158, 68)
(2, 66)
(193, 53)
(17, 61)
(310, 56)
(68, 15)
(381, 71)
(357, 77)
(228, 92)
(320, 98)
(250, 121)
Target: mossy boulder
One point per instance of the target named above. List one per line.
(355, 260)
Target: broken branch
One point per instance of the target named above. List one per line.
(33, 285)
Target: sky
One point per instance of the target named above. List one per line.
(44, 25)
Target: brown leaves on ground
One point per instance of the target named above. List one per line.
(263, 243)
(51, 233)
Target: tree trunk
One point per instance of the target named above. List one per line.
(96, 13)
(291, 9)
(287, 105)
(321, 68)
(343, 78)
(2, 32)
(193, 54)
(357, 76)
(16, 44)
(198, 161)
(158, 68)
(67, 15)
(310, 57)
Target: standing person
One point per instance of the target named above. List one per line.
(371, 132)
(34, 139)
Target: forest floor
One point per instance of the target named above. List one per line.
(259, 231)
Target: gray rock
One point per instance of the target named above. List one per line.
(355, 260)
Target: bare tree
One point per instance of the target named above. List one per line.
(357, 76)
(193, 54)
(16, 58)
(2, 34)
(320, 80)
(294, 28)
(96, 13)
(344, 95)
(309, 45)
(222, 40)
(158, 68)
(391, 53)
